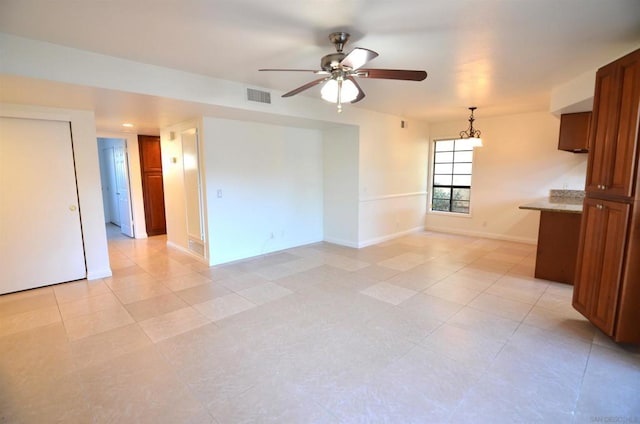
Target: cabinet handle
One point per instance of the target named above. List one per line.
(599, 206)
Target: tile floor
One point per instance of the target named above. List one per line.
(428, 328)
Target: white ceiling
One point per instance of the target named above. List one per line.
(503, 56)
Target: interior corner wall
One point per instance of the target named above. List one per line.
(135, 180)
(173, 183)
(263, 188)
(393, 160)
(340, 149)
(83, 129)
(518, 163)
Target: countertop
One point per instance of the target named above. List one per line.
(567, 201)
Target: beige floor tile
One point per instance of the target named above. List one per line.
(316, 349)
(101, 347)
(452, 293)
(88, 305)
(12, 304)
(404, 262)
(138, 387)
(141, 291)
(264, 293)
(225, 306)
(29, 320)
(501, 306)
(68, 292)
(185, 281)
(388, 293)
(97, 322)
(11, 297)
(203, 293)
(154, 306)
(173, 323)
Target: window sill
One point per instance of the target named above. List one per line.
(450, 214)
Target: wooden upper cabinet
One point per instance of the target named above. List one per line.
(574, 132)
(613, 158)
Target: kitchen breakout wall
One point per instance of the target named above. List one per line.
(393, 178)
(271, 183)
(518, 163)
(340, 186)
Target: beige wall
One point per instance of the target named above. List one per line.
(518, 163)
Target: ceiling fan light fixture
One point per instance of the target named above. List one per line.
(347, 89)
(471, 134)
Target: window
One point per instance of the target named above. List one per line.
(452, 163)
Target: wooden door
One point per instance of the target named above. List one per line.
(40, 232)
(601, 251)
(152, 186)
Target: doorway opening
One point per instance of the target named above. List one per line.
(116, 193)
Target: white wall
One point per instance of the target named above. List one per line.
(135, 179)
(173, 181)
(390, 175)
(518, 163)
(85, 152)
(271, 182)
(340, 185)
(393, 178)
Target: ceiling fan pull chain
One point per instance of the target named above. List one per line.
(339, 95)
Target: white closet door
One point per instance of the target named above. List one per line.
(40, 233)
(122, 187)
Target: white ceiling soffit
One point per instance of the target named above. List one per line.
(502, 56)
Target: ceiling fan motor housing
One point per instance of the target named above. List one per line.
(331, 61)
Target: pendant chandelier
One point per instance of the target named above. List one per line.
(472, 134)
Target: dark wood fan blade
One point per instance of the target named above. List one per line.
(358, 57)
(395, 74)
(360, 92)
(315, 71)
(304, 87)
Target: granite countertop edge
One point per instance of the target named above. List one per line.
(566, 201)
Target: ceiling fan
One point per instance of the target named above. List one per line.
(341, 70)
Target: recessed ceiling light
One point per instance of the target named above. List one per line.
(128, 125)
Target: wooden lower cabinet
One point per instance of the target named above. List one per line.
(606, 286)
(558, 237)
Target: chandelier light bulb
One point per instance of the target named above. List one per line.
(348, 91)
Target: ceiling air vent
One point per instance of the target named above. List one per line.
(258, 96)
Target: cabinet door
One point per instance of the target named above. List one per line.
(600, 258)
(604, 126)
(574, 132)
(625, 150)
(612, 161)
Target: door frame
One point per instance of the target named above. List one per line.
(83, 134)
(135, 179)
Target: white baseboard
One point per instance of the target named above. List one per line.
(181, 249)
(102, 273)
(388, 237)
(341, 242)
(493, 236)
